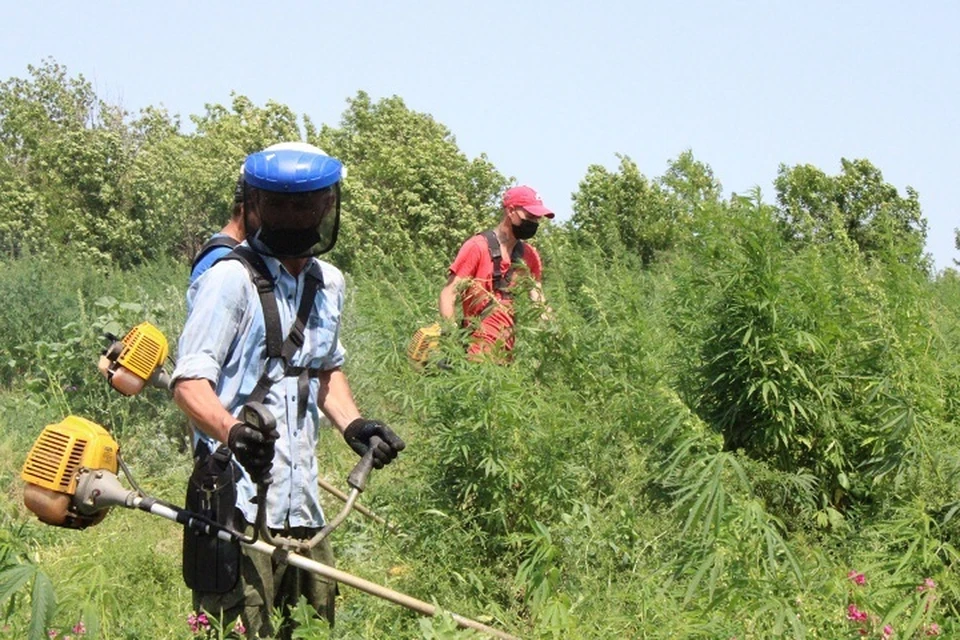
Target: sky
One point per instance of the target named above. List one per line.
(547, 89)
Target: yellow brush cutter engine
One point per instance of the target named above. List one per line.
(60, 456)
(424, 342)
(128, 364)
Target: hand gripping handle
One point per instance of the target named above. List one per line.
(258, 416)
(358, 476)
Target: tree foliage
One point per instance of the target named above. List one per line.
(624, 210)
(856, 205)
(691, 181)
(125, 189)
(65, 154)
(409, 188)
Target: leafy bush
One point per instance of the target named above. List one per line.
(804, 358)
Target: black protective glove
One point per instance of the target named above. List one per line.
(253, 449)
(359, 432)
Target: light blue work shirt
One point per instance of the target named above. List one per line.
(223, 341)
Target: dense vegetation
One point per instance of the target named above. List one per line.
(737, 422)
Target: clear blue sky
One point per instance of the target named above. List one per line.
(548, 88)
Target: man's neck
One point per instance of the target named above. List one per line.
(234, 229)
(505, 235)
(294, 265)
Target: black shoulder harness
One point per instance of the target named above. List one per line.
(278, 347)
(501, 281)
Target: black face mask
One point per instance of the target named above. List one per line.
(291, 243)
(525, 230)
(315, 215)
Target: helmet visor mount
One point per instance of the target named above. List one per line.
(293, 225)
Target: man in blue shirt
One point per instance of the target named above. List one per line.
(291, 213)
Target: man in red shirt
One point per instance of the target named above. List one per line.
(486, 267)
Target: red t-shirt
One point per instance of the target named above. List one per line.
(473, 261)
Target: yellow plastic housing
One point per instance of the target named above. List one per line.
(63, 448)
(423, 343)
(144, 349)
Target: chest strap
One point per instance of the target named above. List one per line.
(276, 346)
(501, 281)
(211, 244)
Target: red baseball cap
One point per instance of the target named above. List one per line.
(527, 199)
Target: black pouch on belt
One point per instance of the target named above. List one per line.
(210, 564)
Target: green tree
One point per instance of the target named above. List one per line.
(409, 189)
(691, 181)
(956, 244)
(624, 210)
(65, 153)
(23, 218)
(856, 204)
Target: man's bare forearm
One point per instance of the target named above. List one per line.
(448, 299)
(336, 400)
(197, 399)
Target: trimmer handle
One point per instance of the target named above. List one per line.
(357, 481)
(258, 416)
(358, 476)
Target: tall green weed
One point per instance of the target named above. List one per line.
(805, 357)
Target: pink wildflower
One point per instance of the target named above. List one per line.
(52, 633)
(203, 621)
(79, 628)
(927, 584)
(239, 628)
(855, 614)
(198, 622)
(933, 629)
(887, 632)
(857, 578)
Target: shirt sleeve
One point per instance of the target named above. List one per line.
(216, 305)
(467, 262)
(333, 305)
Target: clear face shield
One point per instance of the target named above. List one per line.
(293, 225)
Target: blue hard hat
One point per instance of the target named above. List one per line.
(291, 170)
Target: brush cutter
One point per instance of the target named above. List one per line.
(71, 481)
(136, 360)
(424, 343)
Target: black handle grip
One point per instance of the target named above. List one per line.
(258, 416)
(358, 476)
